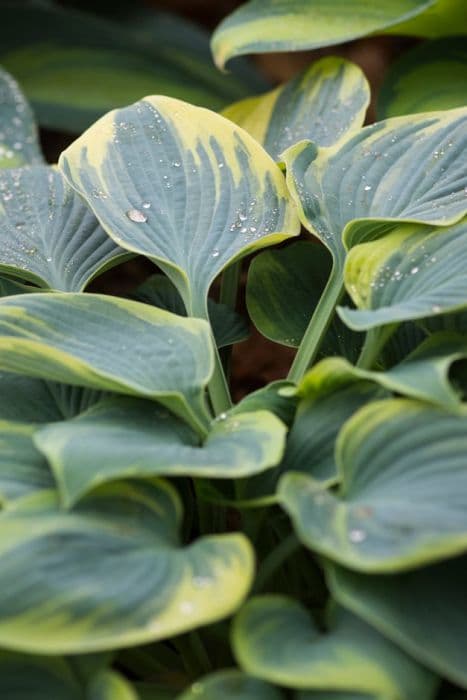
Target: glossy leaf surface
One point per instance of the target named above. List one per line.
(367, 661)
(411, 273)
(19, 140)
(231, 685)
(323, 104)
(199, 192)
(400, 503)
(392, 171)
(123, 437)
(431, 76)
(423, 611)
(48, 235)
(109, 344)
(293, 25)
(124, 578)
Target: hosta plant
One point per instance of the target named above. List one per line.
(159, 542)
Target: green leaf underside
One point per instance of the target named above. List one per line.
(124, 437)
(200, 192)
(293, 25)
(228, 326)
(368, 662)
(431, 76)
(23, 469)
(283, 289)
(411, 273)
(401, 501)
(74, 67)
(8, 287)
(28, 400)
(323, 103)
(423, 374)
(47, 234)
(231, 685)
(19, 141)
(123, 577)
(108, 344)
(423, 611)
(406, 169)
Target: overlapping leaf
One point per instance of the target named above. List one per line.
(75, 66)
(292, 25)
(368, 663)
(228, 326)
(231, 685)
(110, 344)
(23, 468)
(283, 289)
(19, 141)
(47, 233)
(429, 77)
(406, 169)
(323, 103)
(401, 500)
(122, 437)
(423, 611)
(412, 272)
(111, 572)
(182, 185)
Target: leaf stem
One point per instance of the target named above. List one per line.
(228, 296)
(275, 559)
(375, 340)
(317, 326)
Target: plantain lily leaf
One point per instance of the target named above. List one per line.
(124, 437)
(323, 103)
(200, 192)
(400, 503)
(23, 469)
(231, 685)
(124, 578)
(9, 287)
(19, 140)
(109, 344)
(368, 662)
(389, 172)
(423, 374)
(43, 678)
(294, 25)
(442, 18)
(412, 272)
(423, 611)
(283, 288)
(228, 326)
(310, 695)
(48, 236)
(431, 76)
(74, 66)
(275, 397)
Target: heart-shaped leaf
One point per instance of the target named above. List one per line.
(194, 192)
(124, 437)
(111, 573)
(283, 289)
(413, 272)
(323, 103)
(231, 685)
(22, 467)
(429, 77)
(368, 662)
(19, 140)
(47, 233)
(293, 25)
(406, 169)
(423, 611)
(401, 502)
(75, 66)
(109, 344)
(228, 326)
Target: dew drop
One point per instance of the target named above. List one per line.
(367, 188)
(137, 216)
(414, 270)
(436, 309)
(146, 205)
(222, 416)
(356, 536)
(215, 253)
